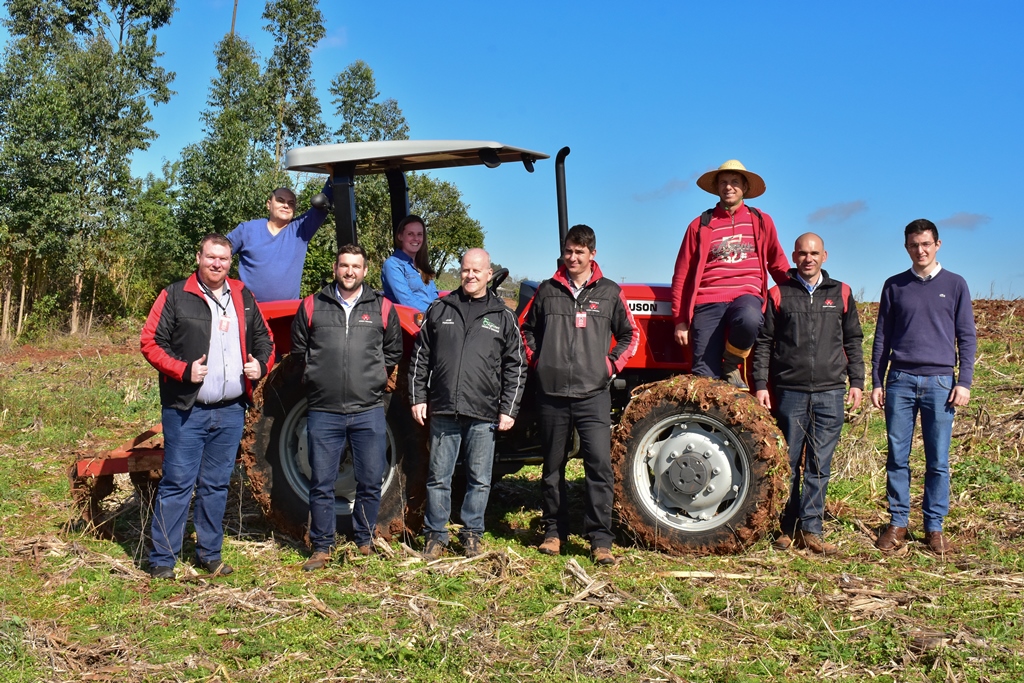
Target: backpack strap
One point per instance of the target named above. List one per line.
(385, 310)
(307, 303)
(705, 217)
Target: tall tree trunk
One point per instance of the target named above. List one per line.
(76, 300)
(92, 303)
(21, 304)
(5, 329)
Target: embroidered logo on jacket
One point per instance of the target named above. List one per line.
(488, 325)
(365, 318)
(594, 307)
(829, 304)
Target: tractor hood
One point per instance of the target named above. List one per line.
(365, 158)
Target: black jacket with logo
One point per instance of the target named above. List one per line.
(571, 360)
(346, 358)
(809, 342)
(468, 359)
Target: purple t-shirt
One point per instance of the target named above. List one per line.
(271, 265)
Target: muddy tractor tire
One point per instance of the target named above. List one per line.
(276, 457)
(700, 467)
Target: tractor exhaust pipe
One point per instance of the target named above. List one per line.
(563, 210)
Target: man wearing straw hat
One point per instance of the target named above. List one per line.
(720, 283)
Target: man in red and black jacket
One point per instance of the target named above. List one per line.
(208, 339)
(568, 327)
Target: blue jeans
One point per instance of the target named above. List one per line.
(328, 434)
(200, 446)
(811, 423)
(476, 439)
(742, 318)
(907, 395)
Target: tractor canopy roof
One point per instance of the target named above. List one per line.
(367, 158)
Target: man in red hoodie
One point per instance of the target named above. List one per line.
(720, 283)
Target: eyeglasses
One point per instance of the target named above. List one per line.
(920, 245)
(281, 200)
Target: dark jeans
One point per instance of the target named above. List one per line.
(592, 418)
(448, 434)
(328, 434)
(811, 423)
(741, 318)
(200, 446)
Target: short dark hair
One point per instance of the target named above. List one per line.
(581, 235)
(354, 249)
(274, 192)
(921, 225)
(215, 237)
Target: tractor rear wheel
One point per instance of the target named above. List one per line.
(276, 457)
(700, 467)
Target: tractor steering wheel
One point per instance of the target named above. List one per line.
(497, 278)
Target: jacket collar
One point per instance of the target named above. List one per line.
(562, 275)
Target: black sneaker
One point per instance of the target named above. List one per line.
(162, 572)
(215, 567)
(471, 546)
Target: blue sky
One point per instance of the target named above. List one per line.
(860, 117)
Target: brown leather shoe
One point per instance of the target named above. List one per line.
(937, 543)
(317, 560)
(552, 545)
(805, 540)
(365, 550)
(432, 550)
(892, 538)
(782, 542)
(603, 556)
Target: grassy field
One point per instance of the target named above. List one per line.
(73, 607)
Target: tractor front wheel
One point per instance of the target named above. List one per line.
(700, 467)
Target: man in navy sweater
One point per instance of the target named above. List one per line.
(925, 325)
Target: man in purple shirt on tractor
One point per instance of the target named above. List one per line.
(925, 330)
(272, 251)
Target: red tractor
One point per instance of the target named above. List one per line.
(700, 466)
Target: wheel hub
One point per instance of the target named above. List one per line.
(693, 472)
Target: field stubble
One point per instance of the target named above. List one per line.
(74, 607)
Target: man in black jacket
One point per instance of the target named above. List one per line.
(349, 338)
(468, 365)
(210, 343)
(568, 327)
(809, 346)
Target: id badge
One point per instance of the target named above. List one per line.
(225, 323)
(581, 319)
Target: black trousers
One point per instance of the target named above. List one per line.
(592, 418)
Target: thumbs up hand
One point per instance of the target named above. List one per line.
(199, 370)
(252, 368)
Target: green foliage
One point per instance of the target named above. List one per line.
(363, 118)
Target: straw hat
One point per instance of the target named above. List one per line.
(755, 184)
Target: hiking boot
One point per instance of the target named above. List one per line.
(782, 542)
(814, 543)
(603, 556)
(937, 543)
(471, 546)
(365, 550)
(215, 567)
(733, 361)
(432, 550)
(552, 545)
(318, 560)
(162, 572)
(892, 538)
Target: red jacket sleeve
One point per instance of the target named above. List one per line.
(155, 340)
(684, 277)
(775, 259)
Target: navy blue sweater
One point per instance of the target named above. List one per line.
(923, 325)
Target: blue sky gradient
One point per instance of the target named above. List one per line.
(860, 117)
